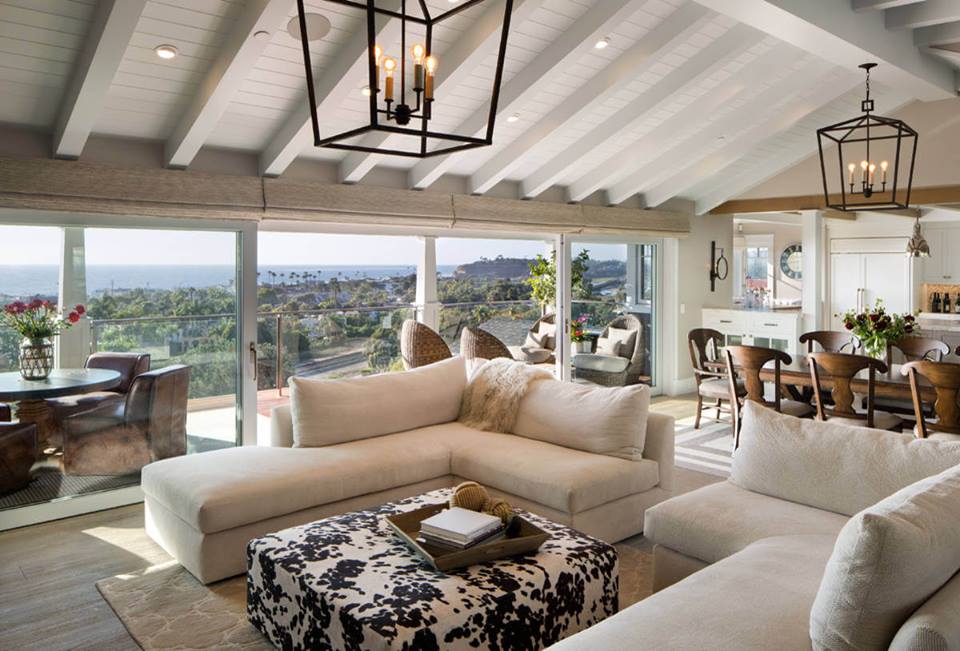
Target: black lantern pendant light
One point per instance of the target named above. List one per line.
(401, 83)
(875, 159)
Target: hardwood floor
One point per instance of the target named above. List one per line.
(48, 599)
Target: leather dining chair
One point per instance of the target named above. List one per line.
(945, 379)
(744, 363)
(151, 424)
(831, 341)
(841, 369)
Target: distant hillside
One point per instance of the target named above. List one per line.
(519, 268)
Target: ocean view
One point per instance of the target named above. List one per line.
(30, 280)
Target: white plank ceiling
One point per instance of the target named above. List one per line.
(701, 99)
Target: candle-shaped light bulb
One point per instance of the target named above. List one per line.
(883, 168)
(431, 64)
(377, 53)
(418, 52)
(873, 168)
(389, 66)
(853, 168)
(863, 167)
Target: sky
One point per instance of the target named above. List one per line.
(21, 245)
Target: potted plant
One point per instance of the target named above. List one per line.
(578, 335)
(38, 322)
(543, 279)
(876, 328)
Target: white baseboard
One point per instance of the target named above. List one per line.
(69, 507)
(681, 387)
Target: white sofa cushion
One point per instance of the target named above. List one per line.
(934, 626)
(567, 480)
(222, 489)
(602, 420)
(747, 602)
(888, 560)
(838, 468)
(326, 412)
(718, 520)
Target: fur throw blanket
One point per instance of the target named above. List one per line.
(492, 397)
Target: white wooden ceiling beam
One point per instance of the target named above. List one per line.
(781, 121)
(833, 31)
(675, 29)
(880, 5)
(460, 60)
(924, 14)
(344, 74)
(584, 33)
(648, 167)
(646, 152)
(704, 63)
(111, 28)
(945, 34)
(238, 55)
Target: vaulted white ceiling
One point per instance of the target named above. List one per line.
(701, 99)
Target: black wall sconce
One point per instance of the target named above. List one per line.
(719, 267)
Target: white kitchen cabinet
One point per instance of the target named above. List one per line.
(779, 330)
(857, 280)
(943, 265)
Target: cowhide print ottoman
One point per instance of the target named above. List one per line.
(347, 582)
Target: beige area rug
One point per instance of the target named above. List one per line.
(164, 607)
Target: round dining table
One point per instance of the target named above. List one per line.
(31, 395)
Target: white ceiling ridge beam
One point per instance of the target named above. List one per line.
(646, 151)
(531, 79)
(945, 34)
(701, 65)
(461, 59)
(833, 31)
(654, 169)
(880, 5)
(782, 120)
(343, 75)
(728, 188)
(924, 14)
(237, 57)
(677, 27)
(111, 28)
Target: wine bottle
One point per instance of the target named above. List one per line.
(935, 307)
(946, 303)
(956, 304)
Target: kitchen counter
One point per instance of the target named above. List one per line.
(932, 322)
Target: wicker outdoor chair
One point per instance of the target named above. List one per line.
(419, 345)
(477, 343)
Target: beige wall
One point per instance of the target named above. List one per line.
(938, 153)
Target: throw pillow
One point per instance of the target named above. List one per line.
(535, 340)
(326, 412)
(549, 332)
(626, 338)
(602, 420)
(837, 468)
(888, 560)
(607, 346)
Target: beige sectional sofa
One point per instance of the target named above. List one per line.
(588, 457)
(786, 555)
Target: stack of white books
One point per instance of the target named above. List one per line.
(460, 528)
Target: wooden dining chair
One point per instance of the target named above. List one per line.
(945, 379)
(841, 369)
(831, 341)
(705, 345)
(744, 364)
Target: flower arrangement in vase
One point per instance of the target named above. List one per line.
(876, 328)
(578, 334)
(38, 322)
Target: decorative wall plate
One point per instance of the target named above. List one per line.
(791, 262)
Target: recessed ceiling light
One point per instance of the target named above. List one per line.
(513, 118)
(602, 43)
(261, 35)
(166, 51)
(317, 26)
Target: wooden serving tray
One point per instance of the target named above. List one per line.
(407, 526)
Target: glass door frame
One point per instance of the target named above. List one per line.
(567, 242)
(246, 314)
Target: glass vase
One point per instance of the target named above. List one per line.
(36, 359)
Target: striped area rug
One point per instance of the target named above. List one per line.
(708, 449)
